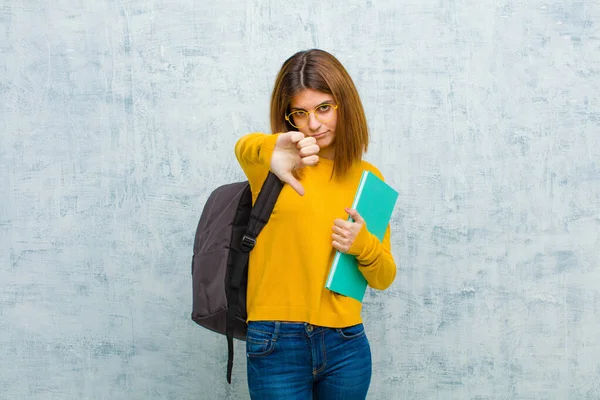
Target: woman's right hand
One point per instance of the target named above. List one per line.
(293, 151)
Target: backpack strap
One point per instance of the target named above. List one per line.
(259, 216)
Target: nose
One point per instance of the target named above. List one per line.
(313, 122)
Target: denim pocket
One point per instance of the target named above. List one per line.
(259, 343)
(351, 332)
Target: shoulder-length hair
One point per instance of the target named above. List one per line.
(319, 70)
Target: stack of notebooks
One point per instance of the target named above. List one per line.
(374, 201)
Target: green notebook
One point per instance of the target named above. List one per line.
(374, 201)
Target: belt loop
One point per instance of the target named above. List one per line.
(276, 330)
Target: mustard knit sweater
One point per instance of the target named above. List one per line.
(290, 263)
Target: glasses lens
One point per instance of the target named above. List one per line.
(298, 118)
(325, 112)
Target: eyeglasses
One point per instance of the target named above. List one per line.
(323, 113)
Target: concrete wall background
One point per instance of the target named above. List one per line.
(118, 118)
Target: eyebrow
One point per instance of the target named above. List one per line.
(302, 109)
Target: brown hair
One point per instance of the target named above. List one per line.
(318, 70)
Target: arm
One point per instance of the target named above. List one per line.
(375, 260)
(253, 151)
(281, 153)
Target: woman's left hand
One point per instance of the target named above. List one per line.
(345, 232)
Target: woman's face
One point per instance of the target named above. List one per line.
(314, 114)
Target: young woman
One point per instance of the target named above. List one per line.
(305, 341)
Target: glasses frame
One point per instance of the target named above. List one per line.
(289, 117)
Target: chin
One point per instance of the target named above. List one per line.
(325, 142)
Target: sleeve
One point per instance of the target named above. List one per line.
(375, 258)
(253, 151)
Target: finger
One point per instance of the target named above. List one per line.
(310, 160)
(355, 215)
(338, 246)
(306, 141)
(309, 150)
(338, 230)
(338, 238)
(296, 137)
(342, 233)
(293, 182)
(342, 223)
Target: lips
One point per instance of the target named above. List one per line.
(320, 135)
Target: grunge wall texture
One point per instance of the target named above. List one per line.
(119, 117)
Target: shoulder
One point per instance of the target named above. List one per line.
(371, 168)
(253, 137)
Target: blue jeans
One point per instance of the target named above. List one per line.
(302, 361)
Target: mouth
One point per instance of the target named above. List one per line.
(319, 136)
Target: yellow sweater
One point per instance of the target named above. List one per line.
(289, 266)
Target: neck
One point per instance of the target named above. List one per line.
(327, 153)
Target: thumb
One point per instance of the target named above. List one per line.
(296, 136)
(284, 140)
(291, 137)
(355, 215)
(293, 182)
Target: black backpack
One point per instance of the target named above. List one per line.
(225, 235)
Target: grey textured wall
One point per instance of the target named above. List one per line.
(117, 119)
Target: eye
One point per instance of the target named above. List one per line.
(324, 108)
(298, 114)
